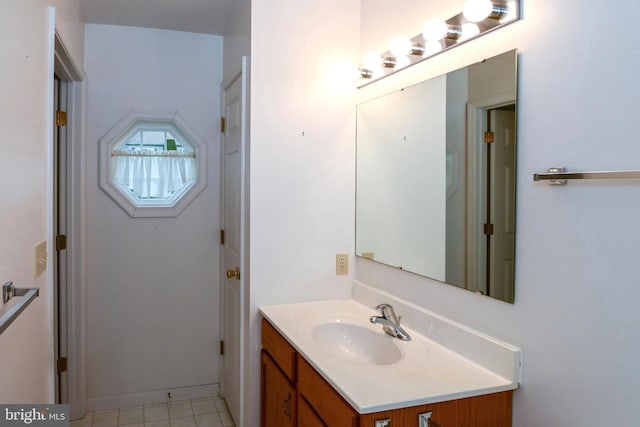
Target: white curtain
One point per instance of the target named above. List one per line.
(153, 175)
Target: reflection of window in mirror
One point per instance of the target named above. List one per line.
(152, 165)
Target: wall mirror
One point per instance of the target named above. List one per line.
(435, 181)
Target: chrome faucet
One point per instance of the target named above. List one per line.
(390, 322)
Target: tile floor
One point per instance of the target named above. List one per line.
(208, 412)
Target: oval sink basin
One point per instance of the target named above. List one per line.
(357, 344)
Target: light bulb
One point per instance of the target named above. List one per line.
(431, 48)
(469, 30)
(401, 46)
(341, 77)
(477, 10)
(377, 73)
(372, 61)
(401, 62)
(434, 30)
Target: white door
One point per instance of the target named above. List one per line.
(232, 252)
(502, 184)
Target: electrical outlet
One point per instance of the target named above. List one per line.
(39, 259)
(342, 263)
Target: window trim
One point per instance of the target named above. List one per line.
(152, 208)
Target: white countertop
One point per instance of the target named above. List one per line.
(427, 372)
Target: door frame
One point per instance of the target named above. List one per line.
(67, 70)
(59, 259)
(242, 74)
(477, 116)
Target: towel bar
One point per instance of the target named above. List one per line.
(559, 176)
(9, 291)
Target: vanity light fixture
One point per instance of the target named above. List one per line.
(401, 46)
(477, 18)
(469, 30)
(478, 10)
(402, 61)
(389, 62)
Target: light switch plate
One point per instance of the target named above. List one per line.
(40, 259)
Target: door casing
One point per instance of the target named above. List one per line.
(477, 119)
(73, 309)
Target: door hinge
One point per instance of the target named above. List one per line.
(222, 348)
(223, 124)
(222, 237)
(61, 118)
(61, 365)
(489, 137)
(488, 229)
(61, 242)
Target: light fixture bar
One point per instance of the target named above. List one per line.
(455, 35)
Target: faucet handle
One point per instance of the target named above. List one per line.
(383, 306)
(388, 312)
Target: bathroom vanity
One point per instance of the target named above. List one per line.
(324, 364)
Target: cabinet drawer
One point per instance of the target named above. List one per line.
(328, 404)
(279, 349)
(491, 410)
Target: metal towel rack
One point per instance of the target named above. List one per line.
(559, 176)
(9, 291)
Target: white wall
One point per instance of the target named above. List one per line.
(153, 284)
(26, 108)
(237, 39)
(302, 157)
(575, 313)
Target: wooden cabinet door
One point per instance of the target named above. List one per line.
(306, 416)
(321, 396)
(278, 401)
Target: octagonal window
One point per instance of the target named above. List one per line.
(151, 164)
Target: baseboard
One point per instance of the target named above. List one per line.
(152, 397)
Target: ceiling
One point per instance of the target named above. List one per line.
(196, 16)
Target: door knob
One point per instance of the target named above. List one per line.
(234, 273)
